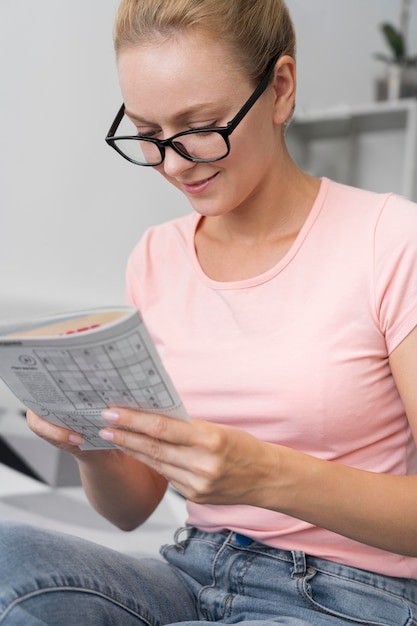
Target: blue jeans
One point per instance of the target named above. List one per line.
(58, 580)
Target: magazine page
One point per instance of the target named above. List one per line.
(70, 378)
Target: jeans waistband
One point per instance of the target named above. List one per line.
(303, 563)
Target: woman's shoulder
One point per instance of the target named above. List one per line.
(163, 247)
(161, 237)
(382, 211)
(363, 198)
(178, 228)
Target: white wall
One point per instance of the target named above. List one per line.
(337, 40)
(71, 210)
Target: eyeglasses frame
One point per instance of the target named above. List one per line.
(224, 131)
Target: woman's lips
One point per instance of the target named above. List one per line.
(199, 186)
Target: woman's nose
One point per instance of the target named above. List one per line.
(174, 164)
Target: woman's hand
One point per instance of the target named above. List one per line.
(58, 436)
(122, 490)
(215, 464)
(206, 463)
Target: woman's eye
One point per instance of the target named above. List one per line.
(204, 126)
(202, 133)
(155, 133)
(151, 134)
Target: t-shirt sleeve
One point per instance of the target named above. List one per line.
(396, 269)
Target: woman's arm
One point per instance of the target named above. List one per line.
(377, 509)
(123, 490)
(216, 464)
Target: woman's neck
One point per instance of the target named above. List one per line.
(250, 240)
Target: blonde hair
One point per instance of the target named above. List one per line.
(256, 30)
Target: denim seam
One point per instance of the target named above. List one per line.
(304, 590)
(243, 572)
(100, 594)
(368, 585)
(203, 540)
(220, 551)
(256, 551)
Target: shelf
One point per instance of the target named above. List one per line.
(351, 122)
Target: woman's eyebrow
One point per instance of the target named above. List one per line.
(181, 115)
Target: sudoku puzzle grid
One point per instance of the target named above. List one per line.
(120, 373)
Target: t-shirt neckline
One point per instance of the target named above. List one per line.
(276, 269)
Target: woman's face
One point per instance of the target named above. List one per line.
(192, 81)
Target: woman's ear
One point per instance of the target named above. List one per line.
(284, 83)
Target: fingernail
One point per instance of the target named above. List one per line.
(76, 439)
(110, 415)
(107, 435)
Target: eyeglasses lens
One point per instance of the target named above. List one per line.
(203, 145)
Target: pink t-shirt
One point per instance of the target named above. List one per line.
(297, 355)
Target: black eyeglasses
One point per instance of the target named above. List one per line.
(200, 145)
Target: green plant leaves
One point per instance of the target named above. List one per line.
(395, 41)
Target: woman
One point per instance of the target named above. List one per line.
(284, 308)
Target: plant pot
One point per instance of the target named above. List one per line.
(398, 82)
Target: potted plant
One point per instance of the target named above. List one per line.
(400, 80)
